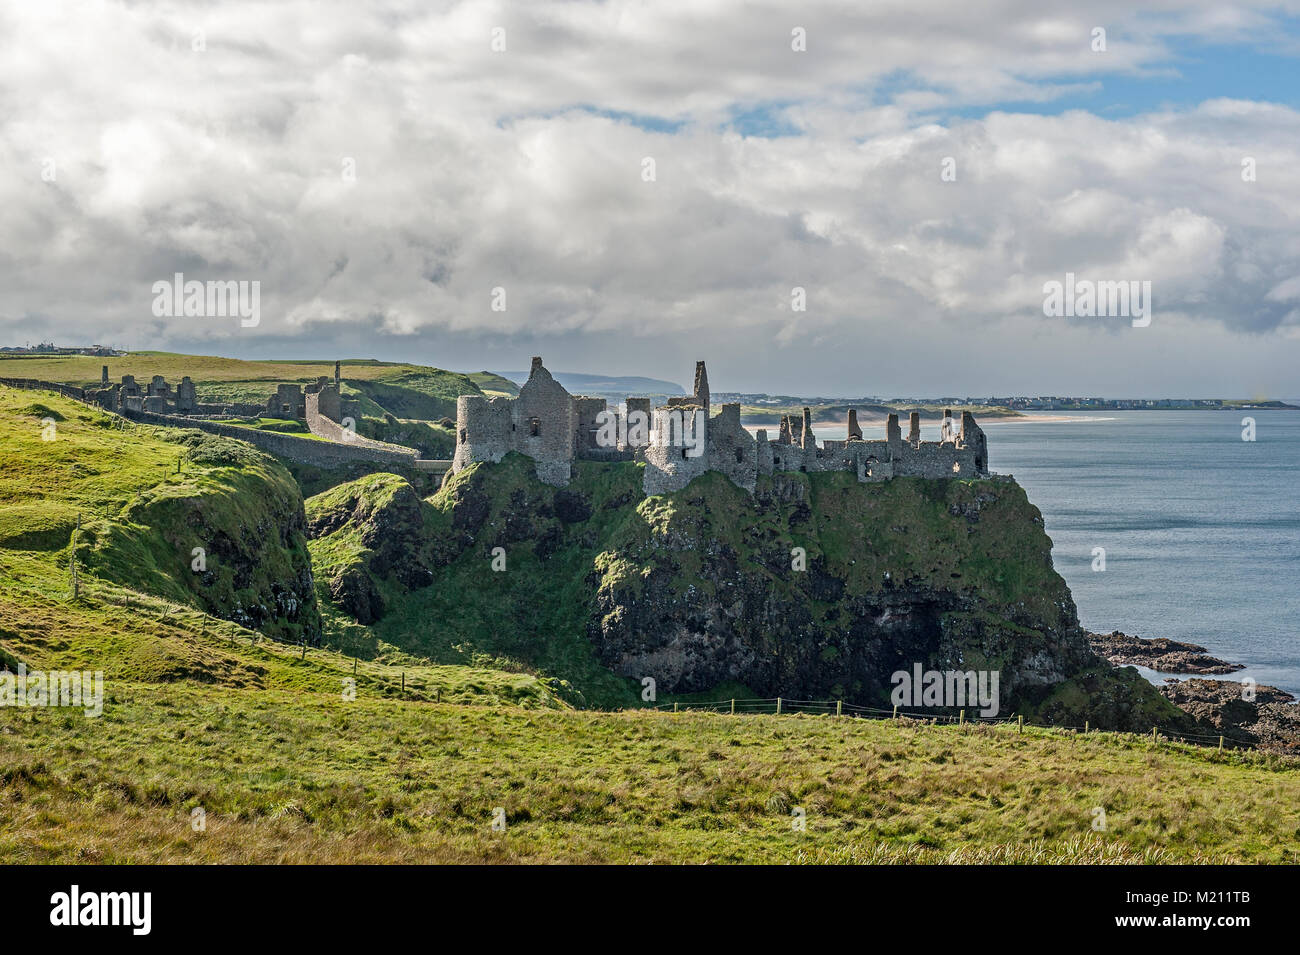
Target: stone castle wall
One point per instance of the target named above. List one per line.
(531, 424)
(732, 449)
(669, 464)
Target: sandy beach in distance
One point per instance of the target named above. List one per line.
(841, 425)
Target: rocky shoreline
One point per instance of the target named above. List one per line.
(1243, 713)
(1270, 720)
(1160, 654)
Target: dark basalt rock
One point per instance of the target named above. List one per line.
(1270, 720)
(1159, 653)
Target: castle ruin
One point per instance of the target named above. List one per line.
(682, 439)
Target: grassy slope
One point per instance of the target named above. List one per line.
(306, 777)
(135, 618)
(532, 617)
(494, 384)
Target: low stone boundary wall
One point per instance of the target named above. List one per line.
(33, 384)
(323, 454)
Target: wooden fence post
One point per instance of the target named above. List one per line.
(674, 707)
(961, 717)
(1153, 734)
(1021, 720)
(778, 706)
(1220, 744)
(839, 707)
(895, 716)
(733, 706)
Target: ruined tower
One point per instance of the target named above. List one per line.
(914, 429)
(894, 437)
(947, 433)
(701, 385)
(543, 425)
(855, 432)
(786, 434)
(337, 380)
(807, 439)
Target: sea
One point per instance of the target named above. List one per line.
(1200, 528)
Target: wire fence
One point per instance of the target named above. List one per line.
(781, 706)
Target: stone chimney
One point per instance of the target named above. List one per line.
(807, 440)
(103, 376)
(701, 385)
(895, 438)
(914, 429)
(337, 380)
(855, 432)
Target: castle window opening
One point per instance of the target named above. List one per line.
(464, 435)
(740, 456)
(534, 426)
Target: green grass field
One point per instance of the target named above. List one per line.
(285, 776)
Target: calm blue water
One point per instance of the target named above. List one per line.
(1201, 529)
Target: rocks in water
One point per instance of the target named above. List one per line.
(1269, 719)
(1159, 653)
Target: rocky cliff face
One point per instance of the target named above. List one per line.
(367, 531)
(820, 587)
(815, 587)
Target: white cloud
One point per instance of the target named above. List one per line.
(477, 169)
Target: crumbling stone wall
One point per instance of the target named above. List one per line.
(553, 427)
(731, 449)
(585, 417)
(287, 402)
(670, 464)
(543, 419)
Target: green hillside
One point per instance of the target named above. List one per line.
(494, 384)
(142, 612)
(397, 740)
